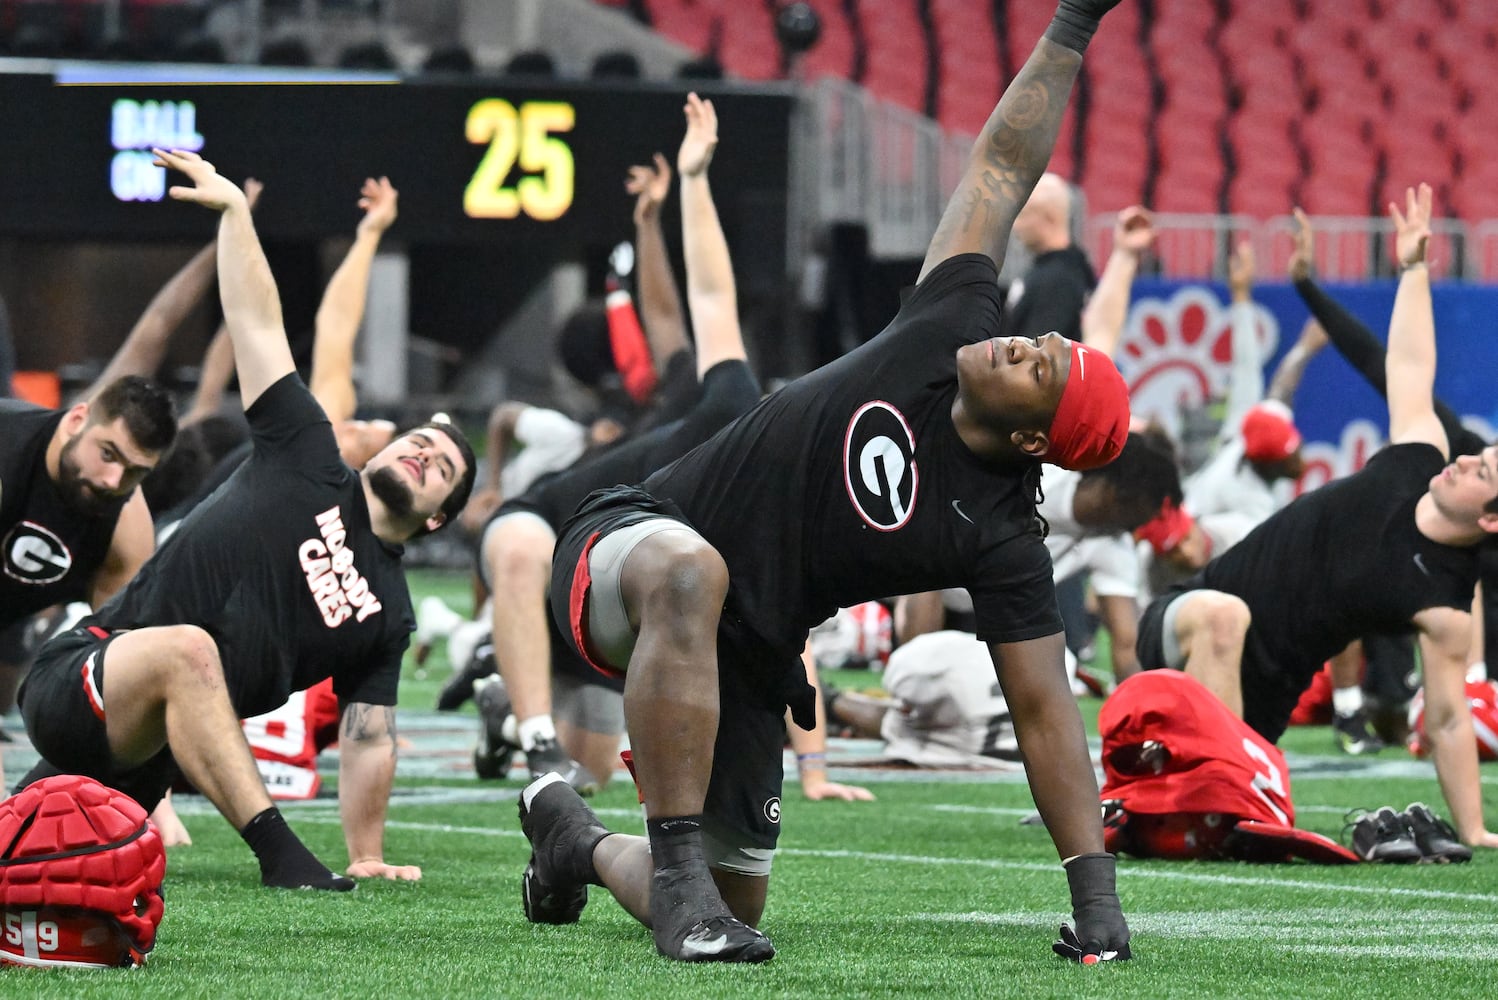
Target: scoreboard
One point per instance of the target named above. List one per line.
(539, 164)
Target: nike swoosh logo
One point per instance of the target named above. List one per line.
(1420, 564)
(957, 506)
(1082, 363)
(709, 947)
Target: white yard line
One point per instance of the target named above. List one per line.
(1126, 873)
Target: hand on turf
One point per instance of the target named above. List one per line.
(210, 188)
(817, 789)
(372, 868)
(1071, 947)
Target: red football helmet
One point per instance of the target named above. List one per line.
(1482, 699)
(80, 876)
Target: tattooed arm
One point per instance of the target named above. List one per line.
(366, 769)
(1011, 152)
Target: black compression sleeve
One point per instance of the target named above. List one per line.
(1361, 348)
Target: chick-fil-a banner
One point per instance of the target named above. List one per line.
(1176, 353)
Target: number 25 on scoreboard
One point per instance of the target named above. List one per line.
(522, 137)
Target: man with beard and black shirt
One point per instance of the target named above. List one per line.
(73, 526)
(1394, 546)
(288, 574)
(911, 464)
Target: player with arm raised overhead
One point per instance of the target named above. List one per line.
(910, 464)
(517, 546)
(224, 622)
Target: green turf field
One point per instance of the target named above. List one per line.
(934, 890)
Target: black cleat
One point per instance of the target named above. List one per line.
(548, 757)
(1382, 836)
(1434, 836)
(492, 755)
(464, 681)
(562, 831)
(1355, 734)
(713, 937)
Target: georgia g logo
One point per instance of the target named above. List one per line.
(879, 466)
(34, 555)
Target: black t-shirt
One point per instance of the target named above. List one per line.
(1344, 561)
(282, 568)
(49, 552)
(851, 483)
(1051, 295)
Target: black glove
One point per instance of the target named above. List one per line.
(1101, 934)
(1076, 21)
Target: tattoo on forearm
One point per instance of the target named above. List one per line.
(1021, 133)
(1028, 120)
(364, 722)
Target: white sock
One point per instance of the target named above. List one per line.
(534, 730)
(1347, 701)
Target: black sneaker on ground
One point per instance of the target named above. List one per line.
(1355, 735)
(709, 937)
(547, 756)
(492, 755)
(1381, 835)
(1434, 836)
(460, 686)
(563, 832)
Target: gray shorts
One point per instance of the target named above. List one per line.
(1157, 644)
(609, 630)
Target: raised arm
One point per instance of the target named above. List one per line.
(1355, 342)
(1106, 311)
(1410, 364)
(712, 295)
(342, 308)
(1246, 377)
(214, 373)
(1292, 367)
(146, 343)
(1016, 142)
(660, 302)
(252, 307)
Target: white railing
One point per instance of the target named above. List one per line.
(892, 170)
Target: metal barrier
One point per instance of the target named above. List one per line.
(1344, 248)
(893, 170)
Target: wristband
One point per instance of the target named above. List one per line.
(1071, 28)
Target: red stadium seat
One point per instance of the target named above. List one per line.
(747, 46)
(683, 21)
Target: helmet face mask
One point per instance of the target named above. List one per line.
(80, 876)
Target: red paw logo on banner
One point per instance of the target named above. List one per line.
(1177, 353)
